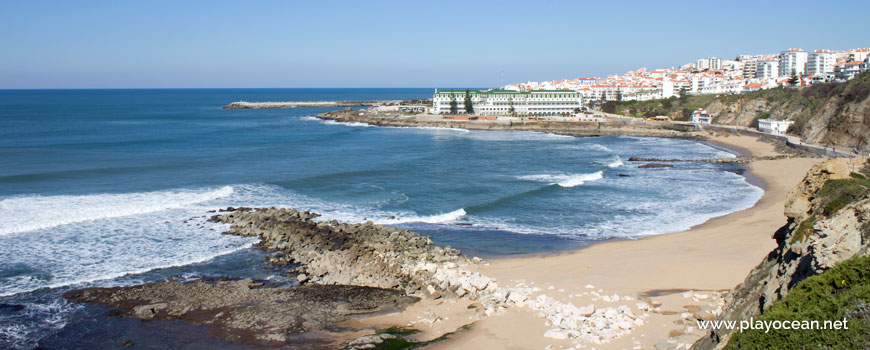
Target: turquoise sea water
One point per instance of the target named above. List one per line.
(111, 187)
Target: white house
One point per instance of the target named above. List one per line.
(701, 117)
(776, 127)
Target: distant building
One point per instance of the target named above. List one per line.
(776, 127)
(412, 109)
(792, 61)
(821, 61)
(501, 102)
(750, 66)
(768, 69)
(850, 69)
(859, 54)
(701, 117)
(708, 63)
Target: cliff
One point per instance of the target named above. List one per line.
(835, 114)
(828, 223)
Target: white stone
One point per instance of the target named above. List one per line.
(556, 333)
(587, 310)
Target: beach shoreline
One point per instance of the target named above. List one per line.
(680, 271)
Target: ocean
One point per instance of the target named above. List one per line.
(113, 187)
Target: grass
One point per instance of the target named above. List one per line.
(836, 194)
(841, 292)
(802, 233)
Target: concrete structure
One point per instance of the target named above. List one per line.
(821, 61)
(701, 117)
(776, 127)
(509, 103)
(792, 61)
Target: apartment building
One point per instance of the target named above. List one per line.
(792, 61)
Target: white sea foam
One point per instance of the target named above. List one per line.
(443, 218)
(28, 213)
(616, 163)
(333, 122)
(105, 249)
(22, 330)
(569, 180)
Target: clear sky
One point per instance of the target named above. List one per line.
(153, 44)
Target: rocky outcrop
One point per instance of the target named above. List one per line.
(812, 241)
(735, 160)
(331, 252)
(243, 310)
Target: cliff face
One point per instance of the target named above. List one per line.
(835, 113)
(828, 222)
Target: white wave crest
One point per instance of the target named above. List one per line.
(28, 213)
(430, 219)
(570, 180)
(616, 163)
(333, 122)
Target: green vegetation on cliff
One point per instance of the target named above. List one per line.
(677, 108)
(842, 292)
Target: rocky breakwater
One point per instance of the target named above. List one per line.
(295, 104)
(828, 222)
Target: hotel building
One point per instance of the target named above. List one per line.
(500, 102)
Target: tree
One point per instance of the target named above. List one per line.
(794, 78)
(618, 94)
(683, 95)
(469, 107)
(453, 105)
(511, 110)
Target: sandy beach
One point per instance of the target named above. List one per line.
(707, 259)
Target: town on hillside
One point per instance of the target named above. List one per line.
(712, 75)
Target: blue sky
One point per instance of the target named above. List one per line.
(176, 44)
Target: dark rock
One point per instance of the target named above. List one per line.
(655, 165)
(622, 175)
(242, 314)
(11, 307)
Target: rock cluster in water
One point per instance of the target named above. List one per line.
(244, 310)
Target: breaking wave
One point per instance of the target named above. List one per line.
(570, 180)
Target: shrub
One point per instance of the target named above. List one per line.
(836, 194)
(841, 292)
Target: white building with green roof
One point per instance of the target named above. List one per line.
(508, 102)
